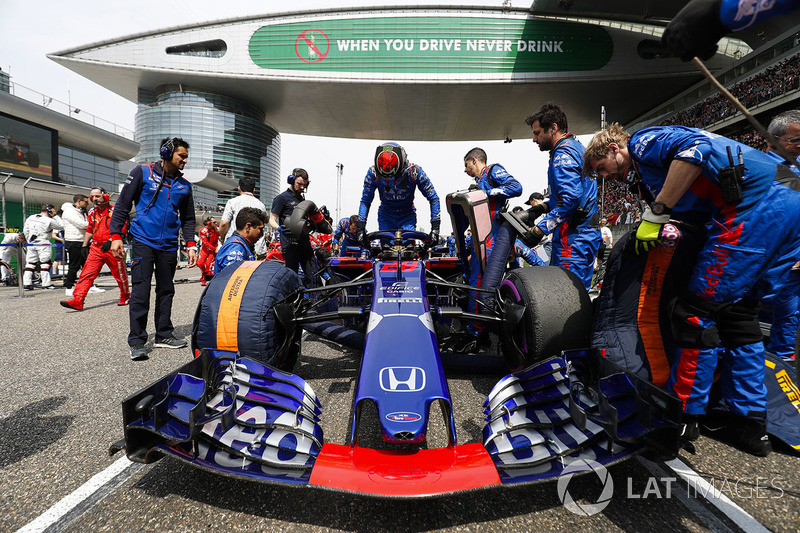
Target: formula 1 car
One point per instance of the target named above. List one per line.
(17, 151)
(237, 408)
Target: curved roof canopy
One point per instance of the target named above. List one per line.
(413, 73)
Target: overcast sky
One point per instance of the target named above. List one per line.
(27, 35)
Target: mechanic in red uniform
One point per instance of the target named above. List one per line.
(209, 240)
(97, 231)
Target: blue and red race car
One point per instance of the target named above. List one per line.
(238, 409)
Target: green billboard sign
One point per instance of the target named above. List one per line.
(431, 45)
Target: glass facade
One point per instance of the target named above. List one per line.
(86, 170)
(225, 135)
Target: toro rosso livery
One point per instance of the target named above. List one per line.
(238, 409)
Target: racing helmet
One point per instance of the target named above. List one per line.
(390, 159)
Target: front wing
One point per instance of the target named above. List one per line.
(240, 418)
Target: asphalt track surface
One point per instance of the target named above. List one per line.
(64, 373)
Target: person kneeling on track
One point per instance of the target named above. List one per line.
(240, 246)
(700, 178)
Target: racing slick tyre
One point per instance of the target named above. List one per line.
(557, 314)
(236, 313)
(33, 159)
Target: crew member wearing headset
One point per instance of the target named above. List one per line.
(99, 234)
(209, 240)
(164, 207)
(296, 249)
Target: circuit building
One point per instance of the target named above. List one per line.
(453, 73)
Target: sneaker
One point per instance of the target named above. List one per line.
(96, 289)
(28, 287)
(49, 287)
(72, 304)
(170, 342)
(202, 282)
(123, 301)
(139, 352)
(68, 292)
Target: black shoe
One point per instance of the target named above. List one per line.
(170, 342)
(465, 343)
(690, 429)
(28, 287)
(748, 433)
(139, 352)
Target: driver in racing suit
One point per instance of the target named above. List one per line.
(700, 178)
(499, 186)
(37, 230)
(395, 179)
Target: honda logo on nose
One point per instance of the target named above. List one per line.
(402, 379)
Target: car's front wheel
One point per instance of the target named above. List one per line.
(546, 310)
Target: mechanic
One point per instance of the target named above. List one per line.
(499, 186)
(250, 222)
(75, 222)
(8, 249)
(346, 234)
(395, 179)
(571, 208)
(246, 198)
(451, 244)
(695, 30)
(164, 207)
(209, 240)
(785, 127)
(296, 249)
(520, 251)
(37, 229)
(700, 178)
(98, 233)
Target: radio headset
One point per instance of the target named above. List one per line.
(166, 151)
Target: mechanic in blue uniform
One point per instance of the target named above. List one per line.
(164, 207)
(750, 205)
(785, 127)
(396, 179)
(346, 234)
(572, 205)
(240, 246)
(695, 30)
(451, 245)
(520, 251)
(499, 186)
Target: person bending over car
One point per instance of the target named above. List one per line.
(296, 249)
(736, 192)
(499, 186)
(346, 234)
(240, 246)
(396, 179)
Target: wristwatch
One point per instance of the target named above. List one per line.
(660, 208)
